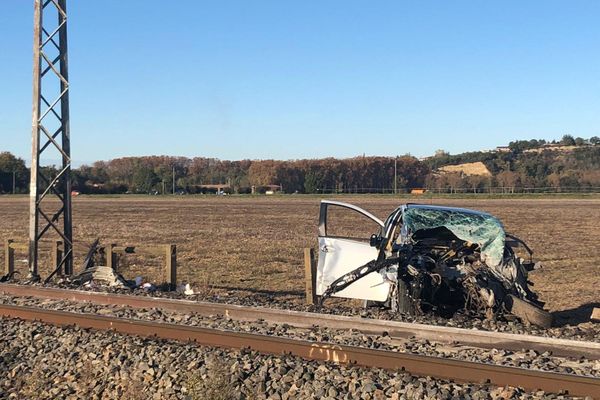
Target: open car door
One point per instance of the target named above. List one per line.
(339, 254)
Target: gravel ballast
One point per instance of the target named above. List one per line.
(505, 323)
(528, 359)
(47, 362)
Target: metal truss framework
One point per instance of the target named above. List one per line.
(50, 136)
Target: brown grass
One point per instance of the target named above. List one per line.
(215, 385)
(37, 383)
(227, 243)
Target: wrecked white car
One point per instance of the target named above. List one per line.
(428, 258)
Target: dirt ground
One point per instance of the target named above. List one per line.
(256, 243)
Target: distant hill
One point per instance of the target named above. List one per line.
(545, 165)
(467, 169)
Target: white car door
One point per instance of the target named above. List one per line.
(339, 255)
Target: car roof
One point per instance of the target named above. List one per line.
(449, 209)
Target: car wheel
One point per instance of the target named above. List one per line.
(373, 304)
(528, 312)
(405, 303)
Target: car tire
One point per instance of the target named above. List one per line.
(375, 304)
(528, 312)
(405, 303)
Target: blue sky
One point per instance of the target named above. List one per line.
(306, 79)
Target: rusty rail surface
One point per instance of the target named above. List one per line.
(441, 368)
(395, 329)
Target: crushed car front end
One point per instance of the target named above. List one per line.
(445, 259)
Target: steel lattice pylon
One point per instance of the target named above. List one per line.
(50, 136)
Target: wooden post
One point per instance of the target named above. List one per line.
(9, 257)
(310, 275)
(57, 254)
(171, 265)
(595, 315)
(110, 256)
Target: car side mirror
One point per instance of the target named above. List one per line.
(375, 240)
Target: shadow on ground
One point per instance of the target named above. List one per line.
(574, 316)
(261, 291)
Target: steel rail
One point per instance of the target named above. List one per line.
(395, 329)
(440, 368)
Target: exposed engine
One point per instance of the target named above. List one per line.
(431, 269)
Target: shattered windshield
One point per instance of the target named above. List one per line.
(480, 228)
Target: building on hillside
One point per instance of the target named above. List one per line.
(218, 188)
(267, 189)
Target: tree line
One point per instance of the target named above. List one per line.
(513, 169)
(155, 174)
(14, 174)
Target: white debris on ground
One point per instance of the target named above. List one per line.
(138, 282)
(185, 289)
(100, 274)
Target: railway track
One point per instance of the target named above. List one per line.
(395, 329)
(442, 368)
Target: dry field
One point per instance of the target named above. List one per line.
(255, 244)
